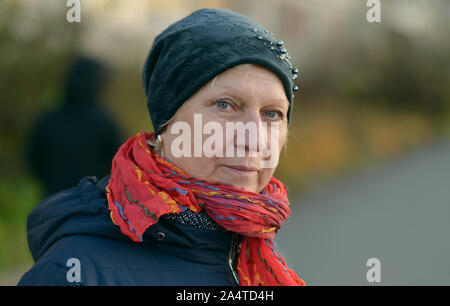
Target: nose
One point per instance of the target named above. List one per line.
(249, 137)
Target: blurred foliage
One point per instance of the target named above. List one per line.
(406, 76)
(331, 140)
(17, 198)
(359, 104)
(30, 82)
(31, 67)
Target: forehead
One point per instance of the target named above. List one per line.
(250, 79)
(246, 71)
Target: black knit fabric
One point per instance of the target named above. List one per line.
(192, 51)
(199, 220)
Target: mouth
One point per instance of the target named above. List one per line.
(241, 170)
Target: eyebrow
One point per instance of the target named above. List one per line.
(284, 101)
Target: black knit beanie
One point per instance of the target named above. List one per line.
(195, 49)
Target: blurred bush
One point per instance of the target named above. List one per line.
(17, 198)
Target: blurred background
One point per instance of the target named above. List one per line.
(367, 163)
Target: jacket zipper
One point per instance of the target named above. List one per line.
(230, 260)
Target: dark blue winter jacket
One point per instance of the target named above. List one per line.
(76, 223)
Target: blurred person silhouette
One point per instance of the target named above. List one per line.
(80, 137)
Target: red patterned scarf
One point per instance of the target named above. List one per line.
(143, 186)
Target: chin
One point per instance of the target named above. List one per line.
(249, 186)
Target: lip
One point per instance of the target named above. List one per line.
(241, 170)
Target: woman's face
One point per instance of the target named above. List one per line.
(246, 93)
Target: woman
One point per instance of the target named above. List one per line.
(195, 218)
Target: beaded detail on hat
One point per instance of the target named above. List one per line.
(280, 51)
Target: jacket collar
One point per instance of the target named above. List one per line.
(184, 241)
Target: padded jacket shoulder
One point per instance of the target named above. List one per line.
(75, 224)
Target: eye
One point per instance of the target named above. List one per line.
(274, 115)
(224, 105)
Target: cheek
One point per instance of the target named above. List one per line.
(264, 178)
(275, 140)
(214, 133)
(200, 167)
(283, 138)
(266, 173)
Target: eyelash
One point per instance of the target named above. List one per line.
(280, 114)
